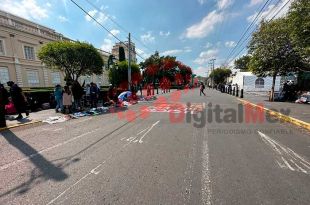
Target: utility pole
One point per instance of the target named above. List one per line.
(212, 69)
(129, 62)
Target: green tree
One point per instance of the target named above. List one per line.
(272, 51)
(118, 75)
(74, 59)
(299, 26)
(243, 63)
(219, 75)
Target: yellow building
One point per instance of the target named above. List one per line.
(20, 40)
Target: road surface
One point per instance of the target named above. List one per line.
(153, 157)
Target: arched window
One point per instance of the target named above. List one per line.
(259, 83)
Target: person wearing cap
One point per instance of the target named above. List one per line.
(4, 96)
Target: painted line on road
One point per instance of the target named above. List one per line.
(206, 176)
(94, 171)
(3, 167)
(280, 116)
(19, 125)
(286, 158)
(140, 140)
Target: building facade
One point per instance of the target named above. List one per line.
(20, 41)
(125, 45)
(251, 83)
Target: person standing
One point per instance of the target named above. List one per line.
(94, 94)
(4, 99)
(67, 99)
(77, 92)
(202, 88)
(19, 99)
(58, 97)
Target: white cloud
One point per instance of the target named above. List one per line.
(107, 45)
(48, 4)
(142, 53)
(99, 16)
(208, 45)
(187, 49)
(205, 56)
(62, 19)
(29, 9)
(255, 2)
(201, 71)
(172, 52)
(166, 34)
(230, 44)
(148, 37)
(206, 26)
(115, 32)
(271, 11)
(201, 2)
(223, 4)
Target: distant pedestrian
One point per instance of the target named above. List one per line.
(67, 100)
(58, 97)
(19, 99)
(202, 88)
(4, 96)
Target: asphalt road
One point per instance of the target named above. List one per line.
(145, 155)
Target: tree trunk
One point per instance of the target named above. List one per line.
(272, 87)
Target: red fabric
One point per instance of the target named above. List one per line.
(10, 109)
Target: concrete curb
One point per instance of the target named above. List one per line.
(20, 125)
(280, 116)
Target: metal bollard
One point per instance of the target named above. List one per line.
(237, 93)
(157, 90)
(234, 91)
(241, 93)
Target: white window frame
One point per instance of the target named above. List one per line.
(5, 80)
(34, 52)
(3, 47)
(33, 82)
(53, 75)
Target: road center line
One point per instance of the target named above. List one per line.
(3, 167)
(206, 176)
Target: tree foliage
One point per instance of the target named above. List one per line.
(272, 51)
(118, 75)
(162, 68)
(74, 59)
(219, 75)
(243, 63)
(298, 21)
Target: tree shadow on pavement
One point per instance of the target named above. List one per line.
(44, 170)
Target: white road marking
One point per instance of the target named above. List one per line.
(286, 157)
(3, 167)
(206, 177)
(140, 140)
(94, 171)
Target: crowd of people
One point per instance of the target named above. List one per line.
(74, 97)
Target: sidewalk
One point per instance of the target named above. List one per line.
(298, 111)
(34, 117)
(39, 116)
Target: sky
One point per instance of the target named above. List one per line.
(194, 31)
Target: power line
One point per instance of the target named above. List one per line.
(128, 47)
(254, 20)
(116, 23)
(256, 27)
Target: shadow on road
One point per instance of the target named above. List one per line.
(44, 170)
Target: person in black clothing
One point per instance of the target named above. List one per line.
(4, 99)
(78, 93)
(94, 95)
(18, 99)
